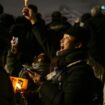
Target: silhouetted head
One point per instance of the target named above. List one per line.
(34, 8)
(56, 16)
(7, 20)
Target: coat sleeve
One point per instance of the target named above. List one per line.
(13, 62)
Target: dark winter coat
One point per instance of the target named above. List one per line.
(76, 85)
(6, 89)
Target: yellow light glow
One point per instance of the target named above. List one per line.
(19, 84)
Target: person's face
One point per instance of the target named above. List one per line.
(67, 42)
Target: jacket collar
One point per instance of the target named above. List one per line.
(66, 57)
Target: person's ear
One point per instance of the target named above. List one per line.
(78, 45)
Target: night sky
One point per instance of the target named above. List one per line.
(46, 7)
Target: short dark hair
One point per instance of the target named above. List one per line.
(56, 15)
(33, 7)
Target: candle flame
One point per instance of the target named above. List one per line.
(18, 86)
(26, 3)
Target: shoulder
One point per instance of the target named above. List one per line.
(80, 70)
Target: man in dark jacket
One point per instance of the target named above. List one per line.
(6, 89)
(73, 83)
(37, 40)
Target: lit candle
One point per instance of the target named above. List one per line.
(25, 3)
(18, 86)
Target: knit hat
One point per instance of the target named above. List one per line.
(82, 34)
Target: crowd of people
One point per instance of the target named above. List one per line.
(63, 62)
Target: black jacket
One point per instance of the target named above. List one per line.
(77, 82)
(6, 89)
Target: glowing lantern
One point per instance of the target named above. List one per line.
(19, 84)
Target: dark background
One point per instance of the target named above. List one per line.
(71, 8)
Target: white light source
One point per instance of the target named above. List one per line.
(103, 7)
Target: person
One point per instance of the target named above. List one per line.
(72, 82)
(37, 39)
(31, 13)
(6, 91)
(97, 27)
(56, 27)
(40, 64)
(83, 20)
(15, 55)
(97, 43)
(35, 36)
